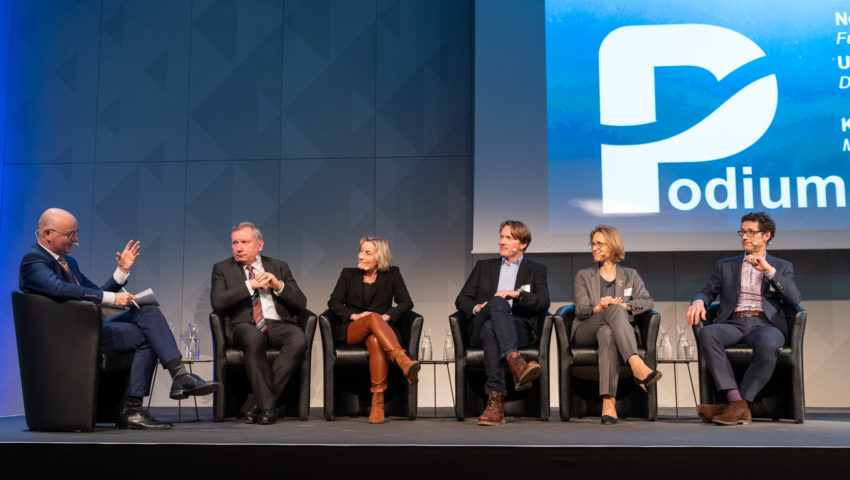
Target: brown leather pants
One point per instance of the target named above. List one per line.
(380, 341)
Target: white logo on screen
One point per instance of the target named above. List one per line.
(627, 60)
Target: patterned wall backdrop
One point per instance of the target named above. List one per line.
(168, 121)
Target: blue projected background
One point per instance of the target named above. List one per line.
(747, 115)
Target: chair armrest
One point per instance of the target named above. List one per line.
(563, 322)
(650, 323)
(219, 336)
(327, 320)
(455, 324)
(307, 321)
(798, 327)
(410, 326)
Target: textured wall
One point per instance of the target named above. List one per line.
(322, 121)
(169, 121)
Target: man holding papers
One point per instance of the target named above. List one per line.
(48, 270)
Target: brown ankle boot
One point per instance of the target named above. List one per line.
(376, 414)
(494, 414)
(707, 411)
(738, 412)
(524, 373)
(410, 368)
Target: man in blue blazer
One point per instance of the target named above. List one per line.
(756, 291)
(503, 299)
(48, 270)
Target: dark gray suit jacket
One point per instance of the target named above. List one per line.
(230, 297)
(588, 287)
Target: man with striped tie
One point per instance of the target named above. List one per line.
(48, 270)
(260, 302)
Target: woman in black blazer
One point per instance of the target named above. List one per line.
(363, 302)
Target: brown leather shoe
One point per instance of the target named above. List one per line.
(376, 414)
(707, 411)
(494, 414)
(738, 412)
(410, 368)
(524, 373)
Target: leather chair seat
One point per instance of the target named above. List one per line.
(589, 356)
(784, 394)
(67, 383)
(475, 358)
(578, 372)
(233, 397)
(346, 372)
(471, 398)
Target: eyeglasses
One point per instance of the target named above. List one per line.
(67, 234)
(596, 245)
(748, 233)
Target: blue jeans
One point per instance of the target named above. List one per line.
(500, 334)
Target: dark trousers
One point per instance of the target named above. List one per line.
(145, 332)
(614, 336)
(500, 334)
(268, 380)
(765, 340)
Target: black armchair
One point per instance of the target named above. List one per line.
(231, 400)
(783, 396)
(347, 383)
(578, 372)
(470, 379)
(67, 383)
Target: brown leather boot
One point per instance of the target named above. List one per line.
(738, 412)
(707, 411)
(410, 368)
(524, 373)
(376, 414)
(494, 414)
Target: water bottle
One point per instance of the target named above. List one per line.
(682, 345)
(192, 343)
(196, 350)
(664, 349)
(667, 346)
(425, 346)
(449, 345)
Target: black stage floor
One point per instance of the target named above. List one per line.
(428, 447)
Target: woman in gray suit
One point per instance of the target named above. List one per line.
(607, 297)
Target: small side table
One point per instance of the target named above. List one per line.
(687, 364)
(189, 362)
(434, 363)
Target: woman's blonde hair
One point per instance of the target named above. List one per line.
(382, 252)
(613, 240)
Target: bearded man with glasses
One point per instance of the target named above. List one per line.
(755, 291)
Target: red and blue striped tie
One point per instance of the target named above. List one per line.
(259, 319)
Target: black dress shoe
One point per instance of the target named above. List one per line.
(609, 420)
(140, 419)
(653, 377)
(190, 384)
(251, 415)
(267, 417)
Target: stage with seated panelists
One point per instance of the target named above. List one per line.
(431, 446)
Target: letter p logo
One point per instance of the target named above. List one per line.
(627, 60)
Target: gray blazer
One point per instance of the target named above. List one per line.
(588, 285)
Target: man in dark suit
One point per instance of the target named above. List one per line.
(48, 270)
(756, 291)
(260, 302)
(503, 298)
